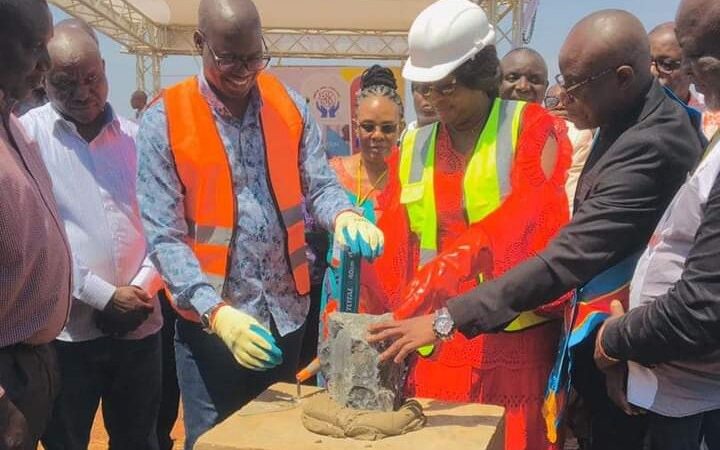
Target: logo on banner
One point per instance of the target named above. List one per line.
(327, 102)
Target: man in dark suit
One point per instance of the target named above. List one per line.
(644, 150)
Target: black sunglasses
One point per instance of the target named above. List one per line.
(385, 128)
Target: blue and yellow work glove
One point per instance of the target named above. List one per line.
(252, 345)
(359, 235)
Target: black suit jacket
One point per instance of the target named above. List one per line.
(633, 171)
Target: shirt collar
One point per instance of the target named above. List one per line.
(110, 119)
(219, 107)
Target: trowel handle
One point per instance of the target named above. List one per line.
(311, 369)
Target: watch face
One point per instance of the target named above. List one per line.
(444, 326)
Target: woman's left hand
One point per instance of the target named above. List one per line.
(408, 336)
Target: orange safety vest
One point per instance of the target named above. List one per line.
(204, 171)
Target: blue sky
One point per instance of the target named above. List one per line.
(554, 20)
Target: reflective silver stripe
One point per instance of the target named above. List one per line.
(217, 282)
(206, 234)
(293, 215)
(426, 255)
(298, 257)
(503, 145)
(420, 152)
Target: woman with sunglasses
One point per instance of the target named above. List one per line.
(378, 122)
(474, 195)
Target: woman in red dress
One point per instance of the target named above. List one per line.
(480, 231)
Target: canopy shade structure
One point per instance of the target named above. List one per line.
(337, 29)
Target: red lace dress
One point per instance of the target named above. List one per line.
(508, 369)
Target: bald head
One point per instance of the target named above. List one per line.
(697, 26)
(227, 14)
(229, 32)
(605, 39)
(605, 62)
(77, 24)
(70, 44)
(76, 83)
(662, 30)
(525, 53)
(702, 14)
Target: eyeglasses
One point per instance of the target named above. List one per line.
(229, 63)
(385, 128)
(551, 102)
(666, 66)
(566, 90)
(445, 89)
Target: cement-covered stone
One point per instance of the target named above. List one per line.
(356, 378)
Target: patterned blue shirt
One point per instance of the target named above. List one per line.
(260, 282)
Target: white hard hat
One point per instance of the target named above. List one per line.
(443, 36)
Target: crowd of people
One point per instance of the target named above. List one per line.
(552, 249)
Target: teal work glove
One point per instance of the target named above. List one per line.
(359, 235)
(251, 344)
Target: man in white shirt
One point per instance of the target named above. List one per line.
(110, 347)
(581, 141)
(669, 337)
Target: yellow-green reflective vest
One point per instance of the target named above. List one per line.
(486, 183)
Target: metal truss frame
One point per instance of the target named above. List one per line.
(151, 42)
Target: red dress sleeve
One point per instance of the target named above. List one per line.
(519, 228)
(382, 281)
(536, 207)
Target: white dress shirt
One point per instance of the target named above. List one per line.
(581, 141)
(94, 186)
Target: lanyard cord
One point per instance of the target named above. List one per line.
(359, 198)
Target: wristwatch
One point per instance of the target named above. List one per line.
(443, 325)
(206, 317)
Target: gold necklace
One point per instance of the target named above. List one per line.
(359, 198)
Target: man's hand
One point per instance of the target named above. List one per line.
(408, 335)
(615, 384)
(615, 370)
(359, 235)
(14, 431)
(252, 345)
(128, 308)
(602, 360)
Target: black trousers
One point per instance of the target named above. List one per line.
(29, 375)
(309, 349)
(684, 433)
(125, 374)
(170, 396)
(610, 427)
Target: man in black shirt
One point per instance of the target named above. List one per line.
(645, 148)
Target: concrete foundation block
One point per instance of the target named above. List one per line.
(356, 378)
